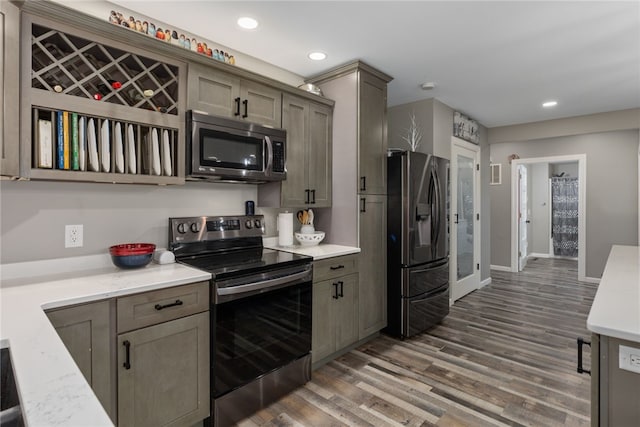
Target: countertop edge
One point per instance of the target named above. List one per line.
(51, 387)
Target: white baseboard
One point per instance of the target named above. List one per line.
(501, 268)
(592, 280)
(536, 255)
(485, 282)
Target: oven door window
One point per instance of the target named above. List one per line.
(257, 334)
(226, 150)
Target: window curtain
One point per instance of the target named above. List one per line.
(564, 223)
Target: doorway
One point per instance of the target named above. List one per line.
(566, 216)
(464, 275)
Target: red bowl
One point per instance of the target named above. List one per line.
(128, 249)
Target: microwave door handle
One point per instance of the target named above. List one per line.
(269, 145)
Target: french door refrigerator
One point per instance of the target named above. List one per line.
(418, 242)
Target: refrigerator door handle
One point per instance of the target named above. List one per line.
(435, 294)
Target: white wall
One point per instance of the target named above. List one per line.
(34, 214)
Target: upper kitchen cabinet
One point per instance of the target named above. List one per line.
(372, 129)
(363, 89)
(224, 94)
(95, 104)
(9, 89)
(309, 127)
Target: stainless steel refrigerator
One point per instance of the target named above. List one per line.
(417, 242)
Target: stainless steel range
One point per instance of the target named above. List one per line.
(260, 311)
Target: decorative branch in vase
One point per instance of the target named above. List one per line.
(414, 134)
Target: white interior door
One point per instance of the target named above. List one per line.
(523, 218)
(465, 219)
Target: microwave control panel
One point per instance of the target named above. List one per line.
(278, 156)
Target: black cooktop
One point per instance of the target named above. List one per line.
(247, 261)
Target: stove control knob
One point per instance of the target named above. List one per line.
(195, 227)
(248, 224)
(182, 228)
(258, 223)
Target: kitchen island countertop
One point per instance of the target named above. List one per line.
(615, 311)
(321, 251)
(53, 391)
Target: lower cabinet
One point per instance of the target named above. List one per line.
(373, 266)
(145, 355)
(87, 333)
(614, 391)
(335, 306)
(163, 357)
(163, 373)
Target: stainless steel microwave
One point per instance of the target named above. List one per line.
(224, 149)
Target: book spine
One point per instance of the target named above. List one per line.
(65, 116)
(44, 144)
(75, 165)
(60, 129)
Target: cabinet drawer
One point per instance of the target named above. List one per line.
(150, 308)
(334, 267)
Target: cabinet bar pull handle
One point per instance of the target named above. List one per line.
(335, 294)
(582, 342)
(363, 183)
(127, 354)
(246, 108)
(363, 205)
(313, 194)
(341, 288)
(336, 267)
(306, 196)
(456, 221)
(173, 304)
(237, 113)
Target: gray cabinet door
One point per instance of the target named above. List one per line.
(86, 332)
(212, 91)
(373, 270)
(9, 89)
(322, 339)
(309, 131)
(260, 104)
(319, 154)
(163, 373)
(335, 316)
(295, 119)
(223, 94)
(372, 144)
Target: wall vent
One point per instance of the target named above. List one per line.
(495, 176)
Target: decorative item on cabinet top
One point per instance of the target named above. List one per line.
(65, 140)
(170, 36)
(68, 64)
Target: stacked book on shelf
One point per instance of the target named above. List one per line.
(66, 140)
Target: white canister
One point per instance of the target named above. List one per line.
(285, 229)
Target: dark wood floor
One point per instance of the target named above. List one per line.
(506, 355)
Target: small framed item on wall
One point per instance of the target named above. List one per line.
(465, 128)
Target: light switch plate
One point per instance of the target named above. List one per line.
(629, 358)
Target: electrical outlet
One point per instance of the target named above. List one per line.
(73, 236)
(629, 358)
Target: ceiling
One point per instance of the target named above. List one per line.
(497, 62)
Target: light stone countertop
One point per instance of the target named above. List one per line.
(53, 391)
(616, 307)
(321, 251)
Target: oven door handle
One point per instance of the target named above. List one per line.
(279, 282)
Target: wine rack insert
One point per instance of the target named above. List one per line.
(68, 64)
(80, 143)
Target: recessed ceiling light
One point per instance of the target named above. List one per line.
(247, 23)
(549, 104)
(317, 56)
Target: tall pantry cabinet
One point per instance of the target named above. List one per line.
(358, 216)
